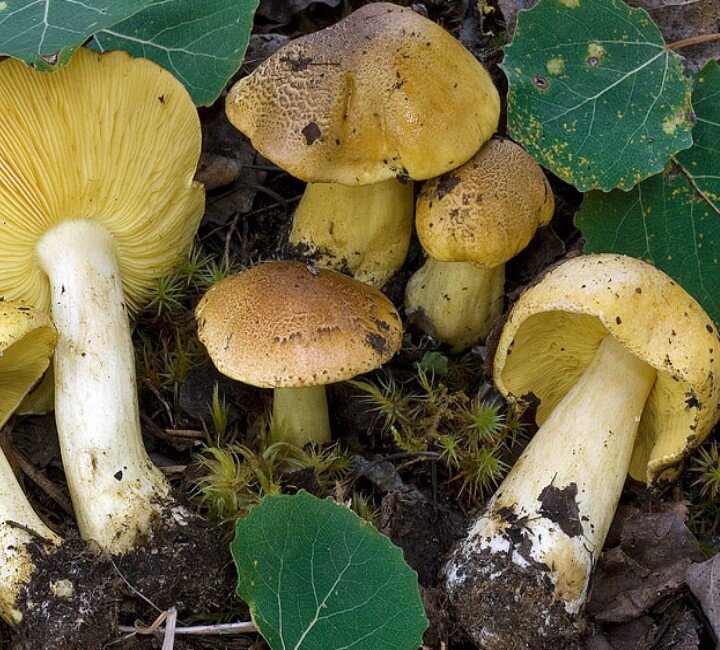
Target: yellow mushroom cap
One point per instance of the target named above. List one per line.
(486, 211)
(284, 325)
(555, 327)
(383, 93)
(107, 138)
(27, 342)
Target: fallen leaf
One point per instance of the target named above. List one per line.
(704, 581)
(681, 19)
(677, 631)
(650, 563)
(281, 12)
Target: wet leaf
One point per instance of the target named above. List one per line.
(594, 95)
(45, 33)
(673, 219)
(202, 42)
(704, 581)
(316, 576)
(649, 564)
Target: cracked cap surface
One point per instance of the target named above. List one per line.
(284, 325)
(384, 92)
(486, 211)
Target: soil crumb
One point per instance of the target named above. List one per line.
(70, 601)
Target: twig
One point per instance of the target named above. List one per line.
(43, 482)
(221, 629)
(131, 588)
(169, 640)
(693, 40)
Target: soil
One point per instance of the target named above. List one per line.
(84, 617)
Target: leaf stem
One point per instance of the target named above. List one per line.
(693, 40)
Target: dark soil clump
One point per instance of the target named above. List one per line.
(503, 606)
(71, 600)
(187, 566)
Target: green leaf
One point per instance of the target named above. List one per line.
(45, 33)
(202, 42)
(594, 95)
(673, 219)
(317, 576)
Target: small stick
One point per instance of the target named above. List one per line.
(169, 641)
(694, 40)
(43, 482)
(221, 629)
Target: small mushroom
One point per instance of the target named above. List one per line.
(294, 328)
(470, 222)
(384, 94)
(97, 201)
(625, 366)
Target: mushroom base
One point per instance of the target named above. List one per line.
(70, 601)
(301, 414)
(184, 563)
(461, 300)
(364, 230)
(503, 606)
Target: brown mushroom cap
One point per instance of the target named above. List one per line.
(382, 93)
(108, 138)
(284, 325)
(486, 211)
(555, 327)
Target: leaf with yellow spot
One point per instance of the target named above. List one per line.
(673, 219)
(594, 94)
(316, 577)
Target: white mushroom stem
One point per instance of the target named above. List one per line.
(461, 300)
(364, 229)
(554, 508)
(115, 489)
(302, 414)
(16, 564)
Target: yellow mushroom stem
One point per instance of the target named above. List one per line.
(115, 488)
(302, 414)
(461, 300)
(16, 564)
(565, 486)
(364, 230)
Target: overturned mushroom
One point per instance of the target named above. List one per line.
(294, 328)
(471, 221)
(625, 366)
(384, 94)
(97, 200)
(27, 341)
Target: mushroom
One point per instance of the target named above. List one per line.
(97, 200)
(625, 367)
(27, 340)
(470, 222)
(357, 110)
(295, 328)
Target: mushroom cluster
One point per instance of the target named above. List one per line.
(358, 110)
